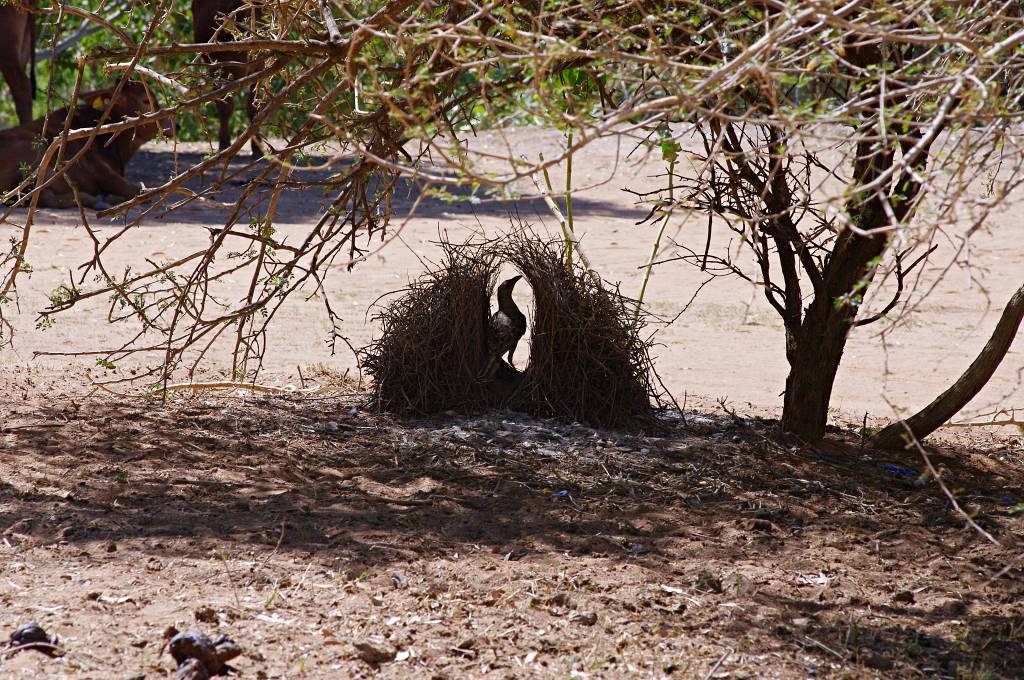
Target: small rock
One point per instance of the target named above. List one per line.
(904, 597)
(32, 636)
(760, 525)
(399, 580)
(584, 618)
(192, 669)
(213, 655)
(708, 582)
(374, 653)
(206, 615)
(191, 644)
(22, 526)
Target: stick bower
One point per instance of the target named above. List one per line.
(587, 363)
(432, 348)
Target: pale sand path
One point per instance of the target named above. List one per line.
(729, 344)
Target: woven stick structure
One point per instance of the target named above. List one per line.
(587, 362)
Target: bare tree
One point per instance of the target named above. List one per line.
(822, 160)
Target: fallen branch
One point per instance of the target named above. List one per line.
(947, 404)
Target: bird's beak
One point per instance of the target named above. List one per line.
(516, 278)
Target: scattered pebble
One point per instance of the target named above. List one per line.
(33, 636)
(206, 615)
(904, 597)
(374, 653)
(708, 582)
(584, 618)
(191, 649)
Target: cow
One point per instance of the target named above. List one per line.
(17, 51)
(100, 171)
(208, 19)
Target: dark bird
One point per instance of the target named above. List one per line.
(507, 324)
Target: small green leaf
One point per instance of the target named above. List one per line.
(670, 150)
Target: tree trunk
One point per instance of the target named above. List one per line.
(947, 404)
(821, 336)
(812, 373)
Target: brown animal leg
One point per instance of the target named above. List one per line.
(116, 185)
(21, 89)
(225, 107)
(51, 198)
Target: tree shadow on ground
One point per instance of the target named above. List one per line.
(836, 550)
(307, 197)
(304, 201)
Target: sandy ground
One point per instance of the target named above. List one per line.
(728, 344)
(319, 536)
(331, 543)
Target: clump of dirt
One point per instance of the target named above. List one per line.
(198, 657)
(588, 359)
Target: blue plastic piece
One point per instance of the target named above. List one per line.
(899, 471)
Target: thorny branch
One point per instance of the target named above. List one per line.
(802, 126)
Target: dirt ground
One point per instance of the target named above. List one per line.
(332, 542)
